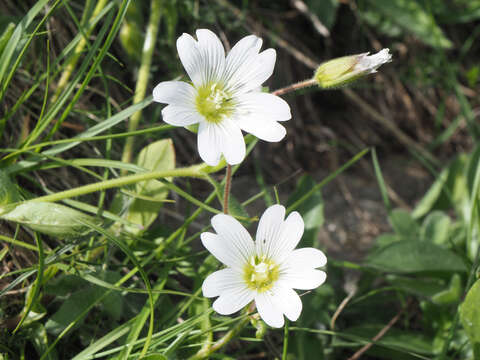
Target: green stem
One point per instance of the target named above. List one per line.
(285, 341)
(143, 73)
(204, 353)
(195, 172)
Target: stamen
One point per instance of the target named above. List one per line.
(213, 102)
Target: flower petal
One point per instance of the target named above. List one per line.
(233, 146)
(303, 280)
(288, 302)
(268, 311)
(213, 55)
(232, 244)
(263, 105)
(266, 130)
(179, 115)
(252, 71)
(268, 229)
(232, 300)
(223, 250)
(191, 58)
(209, 143)
(289, 236)
(174, 92)
(305, 258)
(235, 234)
(217, 138)
(220, 281)
(242, 53)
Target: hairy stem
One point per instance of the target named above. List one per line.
(228, 185)
(204, 353)
(294, 87)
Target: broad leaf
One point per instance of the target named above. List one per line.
(403, 223)
(157, 156)
(470, 317)
(50, 218)
(435, 228)
(413, 18)
(416, 256)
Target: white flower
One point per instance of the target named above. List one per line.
(266, 270)
(343, 70)
(369, 64)
(224, 97)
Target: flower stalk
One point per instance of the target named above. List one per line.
(193, 171)
(228, 184)
(204, 353)
(294, 87)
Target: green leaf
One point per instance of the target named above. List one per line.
(157, 156)
(8, 191)
(449, 189)
(412, 18)
(470, 317)
(7, 33)
(38, 335)
(11, 47)
(50, 218)
(416, 256)
(312, 208)
(403, 223)
(435, 228)
(394, 343)
(451, 294)
(326, 10)
(426, 287)
(73, 307)
(82, 299)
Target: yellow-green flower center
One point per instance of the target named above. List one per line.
(213, 102)
(260, 273)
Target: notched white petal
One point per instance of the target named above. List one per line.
(191, 58)
(213, 55)
(222, 250)
(220, 281)
(209, 142)
(174, 92)
(268, 311)
(233, 146)
(235, 236)
(288, 302)
(304, 280)
(179, 115)
(253, 72)
(306, 258)
(268, 229)
(263, 105)
(232, 300)
(263, 129)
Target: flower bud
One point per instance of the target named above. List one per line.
(343, 70)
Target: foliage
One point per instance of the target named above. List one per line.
(101, 257)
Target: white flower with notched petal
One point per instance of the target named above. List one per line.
(224, 97)
(266, 270)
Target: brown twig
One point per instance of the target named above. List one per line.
(317, 24)
(380, 334)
